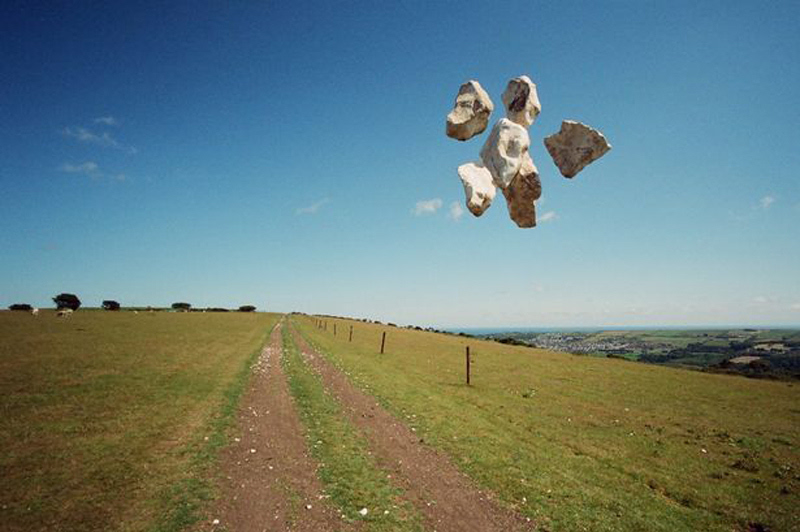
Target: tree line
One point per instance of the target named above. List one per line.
(73, 302)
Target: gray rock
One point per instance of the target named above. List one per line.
(522, 193)
(470, 114)
(522, 101)
(503, 151)
(575, 146)
(478, 187)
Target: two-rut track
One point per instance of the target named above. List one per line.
(269, 479)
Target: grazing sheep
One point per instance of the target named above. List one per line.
(64, 313)
(34, 311)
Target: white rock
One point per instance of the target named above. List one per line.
(575, 146)
(503, 151)
(470, 114)
(522, 101)
(363, 511)
(522, 192)
(478, 187)
(215, 522)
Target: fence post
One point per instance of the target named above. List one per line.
(383, 341)
(334, 329)
(351, 334)
(467, 365)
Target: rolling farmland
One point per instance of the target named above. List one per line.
(192, 421)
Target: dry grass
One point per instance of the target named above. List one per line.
(102, 413)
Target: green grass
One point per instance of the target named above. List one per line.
(105, 415)
(589, 443)
(349, 474)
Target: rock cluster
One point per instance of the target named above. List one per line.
(505, 160)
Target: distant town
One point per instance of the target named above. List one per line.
(772, 353)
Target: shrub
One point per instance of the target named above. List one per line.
(216, 309)
(247, 308)
(69, 301)
(181, 306)
(20, 306)
(110, 304)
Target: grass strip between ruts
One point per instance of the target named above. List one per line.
(352, 479)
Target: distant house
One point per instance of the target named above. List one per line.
(771, 346)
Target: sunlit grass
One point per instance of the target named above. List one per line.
(105, 415)
(589, 443)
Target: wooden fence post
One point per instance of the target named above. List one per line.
(383, 341)
(467, 365)
(351, 334)
(334, 329)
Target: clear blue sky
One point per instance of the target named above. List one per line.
(273, 153)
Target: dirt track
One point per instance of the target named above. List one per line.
(270, 489)
(444, 496)
(269, 480)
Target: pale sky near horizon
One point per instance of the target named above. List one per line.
(292, 155)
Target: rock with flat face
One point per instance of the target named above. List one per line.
(522, 101)
(503, 151)
(575, 146)
(522, 192)
(478, 187)
(470, 114)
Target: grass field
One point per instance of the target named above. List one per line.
(110, 420)
(584, 443)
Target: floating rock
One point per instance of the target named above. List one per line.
(504, 150)
(478, 187)
(522, 192)
(470, 114)
(575, 146)
(522, 101)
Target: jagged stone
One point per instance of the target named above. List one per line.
(575, 146)
(503, 151)
(522, 192)
(522, 101)
(470, 114)
(478, 187)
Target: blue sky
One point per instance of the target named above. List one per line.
(274, 153)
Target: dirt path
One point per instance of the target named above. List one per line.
(269, 479)
(446, 497)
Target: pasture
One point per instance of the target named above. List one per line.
(585, 443)
(111, 420)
